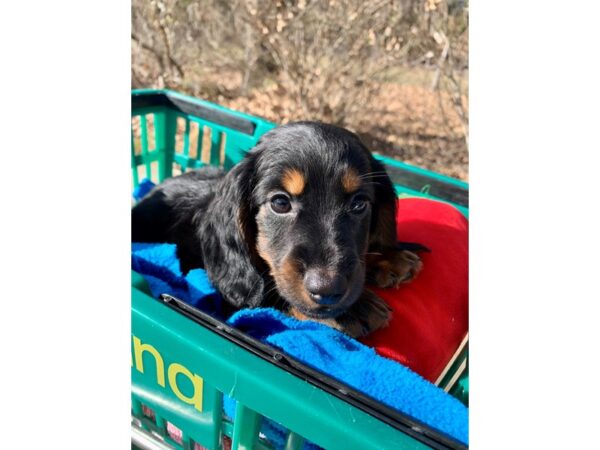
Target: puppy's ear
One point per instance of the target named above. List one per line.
(228, 236)
(383, 215)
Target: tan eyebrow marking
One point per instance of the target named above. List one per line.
(350, 180)
(293, 181)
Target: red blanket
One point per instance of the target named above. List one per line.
(430, 314)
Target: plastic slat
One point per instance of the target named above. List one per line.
(161, 142)
(134, 168)
(144, 140)
(233, 150)
(161, 426)
(245, 428)
(187, 162)
(217, 409)
(165, 125)
(294, 441)
(136, 406)
(186, 138)
(186, 145)
(199, 141)
(222, 149)
(158, 144)
(215, 148)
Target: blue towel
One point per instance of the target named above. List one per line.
(142, 189)
(159, 265)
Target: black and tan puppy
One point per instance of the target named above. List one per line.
(301, 223)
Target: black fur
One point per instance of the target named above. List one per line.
(214, 219)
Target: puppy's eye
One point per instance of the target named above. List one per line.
(358, 204)
(280, 204)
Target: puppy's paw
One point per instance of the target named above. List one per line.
(367, 314)
(392, 267)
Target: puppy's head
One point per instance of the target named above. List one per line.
(319, 199)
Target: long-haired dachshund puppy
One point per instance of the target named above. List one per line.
(300, 224)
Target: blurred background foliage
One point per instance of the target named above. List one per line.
(393, 71)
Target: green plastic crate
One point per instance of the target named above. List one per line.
(181, 368)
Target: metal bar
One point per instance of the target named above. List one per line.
(146, 441)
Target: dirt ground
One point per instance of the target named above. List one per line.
(407, 121)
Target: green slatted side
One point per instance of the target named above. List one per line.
(234, 143)
(262, 388)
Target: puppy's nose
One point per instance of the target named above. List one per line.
(324, 288)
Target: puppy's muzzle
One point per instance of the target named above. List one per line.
(324, 287)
